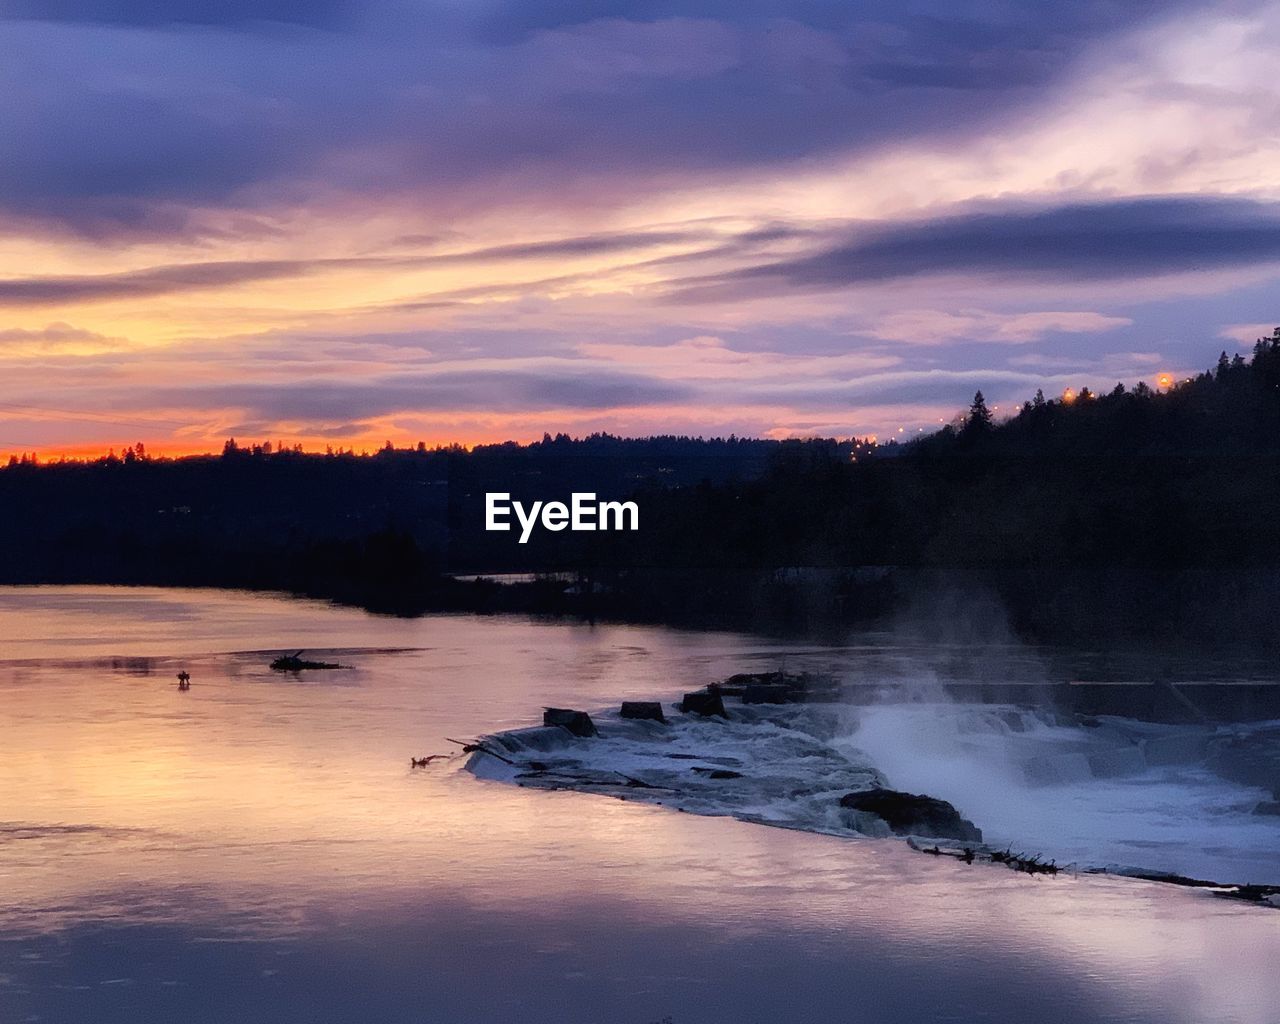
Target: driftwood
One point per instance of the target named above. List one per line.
(1267, 895)
(296, 663)
(477, 745)
(1031, 865)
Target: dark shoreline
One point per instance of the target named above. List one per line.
(1158, 617)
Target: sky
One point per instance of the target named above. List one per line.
(341, 223)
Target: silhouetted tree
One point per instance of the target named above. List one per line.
(979, 418)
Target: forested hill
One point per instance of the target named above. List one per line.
(264, 515)
(1136, 509)
(1233, 409)
(1133, 514)
(1185, 476)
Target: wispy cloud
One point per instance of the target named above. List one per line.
(1247, 334)
(159, 13)
(937, 327)
(499, 389)
(154, 281)
(1131, 238)
(18, 342)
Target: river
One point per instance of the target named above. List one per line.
(258, 849)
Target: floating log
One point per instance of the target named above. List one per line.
(478, 746)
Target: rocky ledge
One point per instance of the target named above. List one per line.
(746, 748)
(773, 748)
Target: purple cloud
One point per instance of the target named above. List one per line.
(445, 102)
(1127, 238)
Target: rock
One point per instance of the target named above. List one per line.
(767, 693)
(296, 663)
(1269, 807)
(544, 739)
(913, 814)
(577, 722)
(644, 710)
(745, 679)
(717, 773)
(702, 703)
(780, 687)
(867, 824)
(731, 762)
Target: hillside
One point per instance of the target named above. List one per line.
(1137, 512)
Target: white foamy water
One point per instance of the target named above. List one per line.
(1104, 797)
(1086, 796)
(258, 849)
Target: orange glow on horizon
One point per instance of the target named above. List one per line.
(312, 446)
(469, 429)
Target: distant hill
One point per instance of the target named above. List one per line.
(1135, 512)
(262, 517)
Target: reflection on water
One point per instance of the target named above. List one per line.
(257, 849)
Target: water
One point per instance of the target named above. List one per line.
(258, 849)
(1177, 818)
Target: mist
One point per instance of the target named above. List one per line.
(1089, 791)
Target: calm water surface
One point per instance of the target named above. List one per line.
(257, 850)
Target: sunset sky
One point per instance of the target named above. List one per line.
(335, 222)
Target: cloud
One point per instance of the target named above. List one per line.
(174, 278)
(153, 13)
(576, 203)
(896, 388)
(936, 327)
(153, 281)
(56, 338)
(1125, 364)
(1247, 334)
(492, 390)
(1127, 238)
(586, 245)
(709, 358)
(453, 104)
